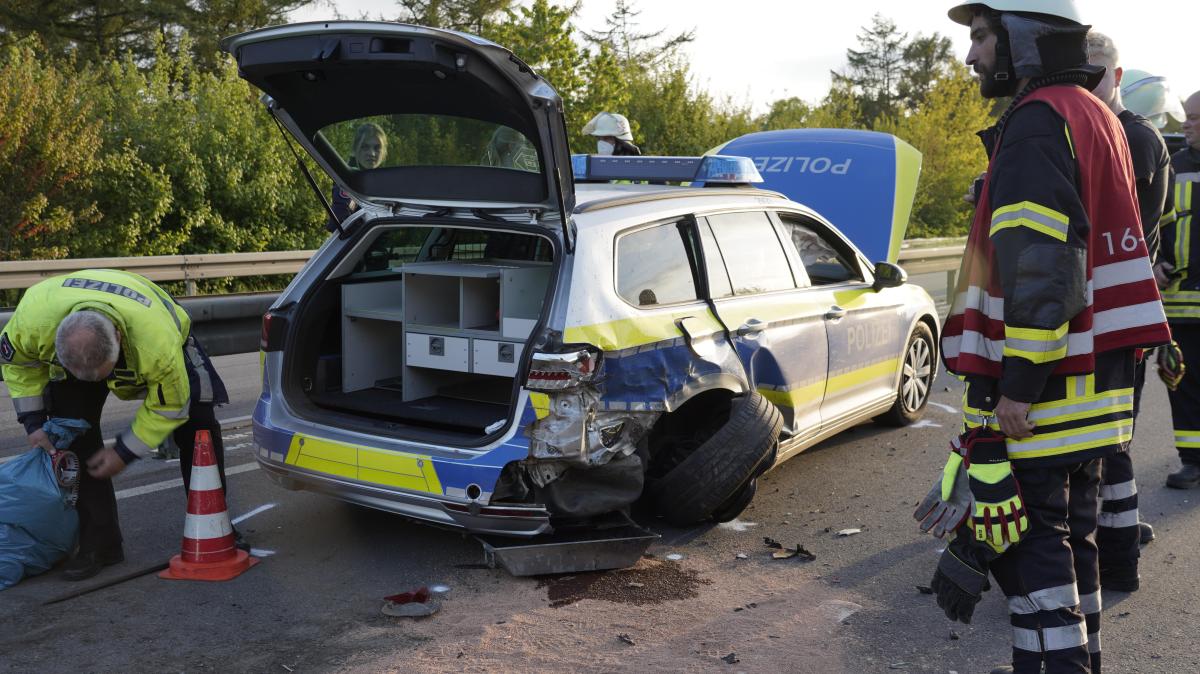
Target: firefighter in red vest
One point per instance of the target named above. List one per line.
(1055, 294)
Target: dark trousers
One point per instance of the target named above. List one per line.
(1117, 532)
(1052, 578)
(1185, 401)
(99, 528)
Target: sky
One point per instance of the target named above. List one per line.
(757, 51)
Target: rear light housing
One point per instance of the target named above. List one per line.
(559, 371)
(274, 328)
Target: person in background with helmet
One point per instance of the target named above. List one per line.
(1047, 360)
(1180, 278)
(1119, 531)
(1150, 96)
(613, 135)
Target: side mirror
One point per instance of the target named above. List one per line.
(888, 275)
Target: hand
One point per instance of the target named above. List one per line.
(105, 463)
(1014, 419)
(39, 438)
(1162, 274)
(969, 196)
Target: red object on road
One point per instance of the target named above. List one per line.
(208, 551)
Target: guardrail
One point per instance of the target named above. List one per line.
(186, 268)
(228, 324)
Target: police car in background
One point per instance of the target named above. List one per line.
(508, 340)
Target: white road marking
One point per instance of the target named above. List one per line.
(239, 445)
(177, 482)
(925, 423)
(944, 408)
(252, 513)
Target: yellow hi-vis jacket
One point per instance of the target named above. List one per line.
(152, 327)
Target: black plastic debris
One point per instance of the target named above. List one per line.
(732, 658)
(924, 589)
(625, 638)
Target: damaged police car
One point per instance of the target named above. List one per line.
(506, 340)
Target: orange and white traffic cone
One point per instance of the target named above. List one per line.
(208, 550)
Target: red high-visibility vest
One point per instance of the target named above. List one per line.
(1123, 309)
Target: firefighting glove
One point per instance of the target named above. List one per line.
(1170, 365)
(961, 577)
(998, 516)
(949, 502)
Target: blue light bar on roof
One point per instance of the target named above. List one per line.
(710, 170)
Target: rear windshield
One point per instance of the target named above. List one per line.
(394, 248)
(385, 141)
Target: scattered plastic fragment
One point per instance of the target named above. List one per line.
(439, 589)
(849, 532)
(742, 555)
(798, 551)
(674, 556)
(625, 638)
(772, 543)
(634, 584)
(839, 610)
(924, 589)
(898, 665)
(732, 658)
(954, 636)
(414, 604)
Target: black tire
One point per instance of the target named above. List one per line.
(918, 365)
(722, 466)
(729, 510)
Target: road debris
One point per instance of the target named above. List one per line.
(798, 551)
(924, 589)
(741, 555)
(674, 556)
(732, 658)
(954, 636)
(848, 532)
(661, 581)
(626, 639)
(416, 604)
(839, 610)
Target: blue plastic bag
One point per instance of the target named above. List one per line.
(37, 525)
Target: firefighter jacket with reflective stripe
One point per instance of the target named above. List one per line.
(1151, 170)
(151, 365)
(1056, 269)
(1181, 247)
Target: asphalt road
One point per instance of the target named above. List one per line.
(313, 603)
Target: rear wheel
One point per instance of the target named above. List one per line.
(717, 476)
(916, 379)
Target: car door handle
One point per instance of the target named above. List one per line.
(752, 326)
(835, 313)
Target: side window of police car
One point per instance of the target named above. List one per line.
(752, 252)
(653, 267)
(826, 260)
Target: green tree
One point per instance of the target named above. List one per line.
(49, 150)
(875, 70)
(927, 59)
(99, 29)
(472, 16)
(944, 129)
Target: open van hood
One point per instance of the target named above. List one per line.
(445, 99)
(864, 182)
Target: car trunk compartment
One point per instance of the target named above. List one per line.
(428, 329)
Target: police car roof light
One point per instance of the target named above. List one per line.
(710, 170)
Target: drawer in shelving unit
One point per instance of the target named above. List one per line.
(495, 358)
(438, 352)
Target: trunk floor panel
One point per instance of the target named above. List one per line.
(438, 411)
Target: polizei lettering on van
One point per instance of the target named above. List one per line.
(106, 287)
(802, 165)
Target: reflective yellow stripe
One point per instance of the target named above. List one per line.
(796, 398)
(1073, 440)
(1187, 438)
(1070, 144)
(394, 469)
(1034, 216)
(1036, 345)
